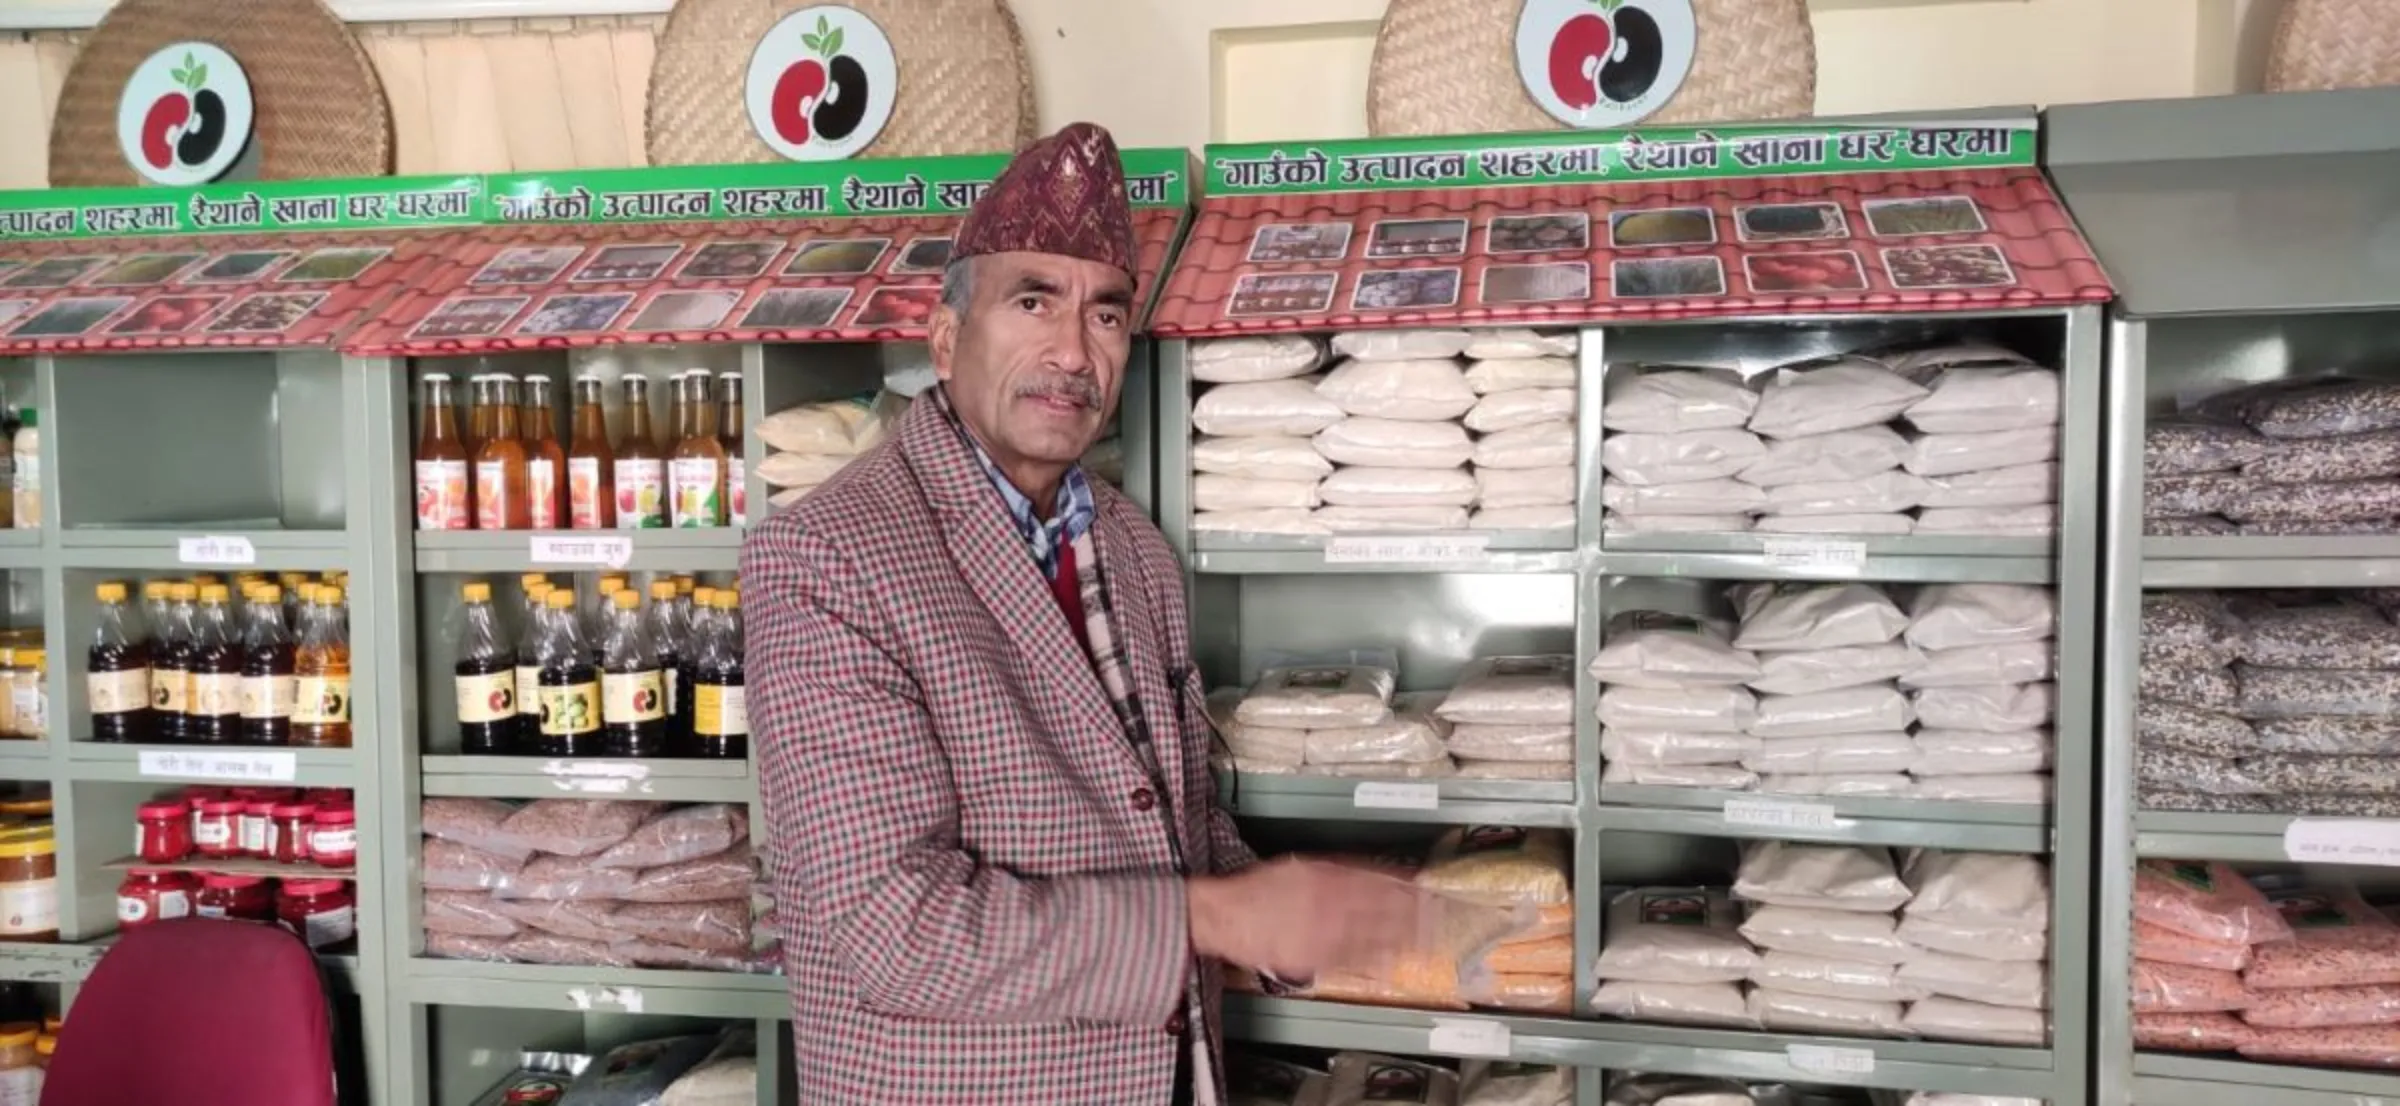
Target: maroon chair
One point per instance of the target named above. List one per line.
(199, 1013)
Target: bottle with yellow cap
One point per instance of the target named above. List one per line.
(270, 682)
(633, 692)
(321, 706)
(171, 665)
(570, 684)
(720, 714)
(215, 714)
(117, 679)
(486, 678)
(529, 666)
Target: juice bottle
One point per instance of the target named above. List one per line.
(697, 618)
(321, 715)
(640, 469)
(729, 434)
(633, 689)
(443, 484)
(666, 638)
(118, 683)
(292, 583)
(570, 684)
(591, 498)
(483, 407)
(270, 687)
(502, 501)
(545, 459)
(215, 715)
(171, 665)
(678, 405)
(720, 715)
(155, 595)
(696, 469)
(487, 680)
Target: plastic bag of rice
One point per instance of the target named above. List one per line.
(1674, 935)
(1833, 877)
(1519, 691)
(1499, 864)
(1318, 696)
(1655, 649)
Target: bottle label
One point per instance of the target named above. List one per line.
(699, 492)
(489, 697)
(641, 494)
(491, 495)
(28, 476)
(31, 705)
(529, 689)
(630, 697)
(326, 928)
(587, 493)
(216, 693)
(132, 910)
(28, 907)
(567, 711)
(257, 834)
(118, 692)
(270, 696)
(170, 690)
(719, 711)
(737, 495)
(442, 497)
(333, 842)
(322, 701)
(213, 831)
(541, 487)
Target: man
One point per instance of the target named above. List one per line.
(991, 822)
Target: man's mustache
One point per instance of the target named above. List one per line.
(1074, 389)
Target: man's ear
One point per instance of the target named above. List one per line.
(941, 340)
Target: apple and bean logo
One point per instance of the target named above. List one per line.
(186, 115)
(1605, 63)
(822, 83)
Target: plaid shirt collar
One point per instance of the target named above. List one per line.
(1070, 518)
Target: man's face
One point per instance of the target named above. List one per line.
(1035, 364)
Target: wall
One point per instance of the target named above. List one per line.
(539, 93)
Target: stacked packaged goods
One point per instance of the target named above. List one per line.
(1673, 708)
(1359, 1078)
(1513, 718)
(812, 441)
(1983, 699)
(2314, 456)
(1334, 720)
(1977, 928)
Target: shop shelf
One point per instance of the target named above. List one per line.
(1625, 1046)
(169, 764)
(26, 962)
(2185, 835)
(24, 756)
(2322, 562)
(601, 990)
(1235, 555)
(2005, 827)
(233, 544)
(1797, 557)
(543, 550)
(546, 777)
(1455, 802)
(2205, 1081)
(20, 549)
(238, 866)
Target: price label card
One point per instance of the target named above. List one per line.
(1469, 1037)
(1816, 555)
(1432, 550)
(1776, 814)
(239, 767)
(215, 551)
(1831, 1060)
(628, 999)
(596, 769)
(2343, 841)
(593, 785)
(582, 549)
(1385, 795)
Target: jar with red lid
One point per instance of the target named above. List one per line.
(322, 911)
(333, 837)
(162, 832)
(240, 898)
(197, 797)
(290, 833)
(154, 895)
(218, 833)
(257, 824)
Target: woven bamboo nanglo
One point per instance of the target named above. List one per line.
(1450, 67)
(2329, 44)
(320, 105)
(965, 85)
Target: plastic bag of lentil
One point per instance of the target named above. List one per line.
(2314, 735)
(2156, 942)
(719, 926)
(2185, 496)
(2324, 1007)
(2176, 768)
(2176, 989)
(466, 914)
(2342, 457)
(2316, 528)
(2157, 798)
(2340, 806)
(2346, 775)
(583, 920)
(459, 946)
(2211, 689)
(2336, 940)
(2324, 409)
(2291, 692)
(475, 823)
(552, 878)
(2189, 526)
(573, 827)
(2190, 1032)
(549, 948)
(2184, 446)
(2205, 899)
(727, 875)
(2366, 1046)
(674, 836)
(450, 866)
(652, 954)
(2321, 635)
(2189, 628)
(2318, 501)
(2163, 725)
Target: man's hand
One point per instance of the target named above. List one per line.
(1297, 917)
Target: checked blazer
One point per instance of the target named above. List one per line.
(979, 895)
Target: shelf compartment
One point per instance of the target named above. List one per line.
(2303, 562)
(2187, 835)
(237, 866)
(1903, 559)
(717, 550)
(2208, 1081)
(551, 777)
(92, 761)
(241, 543)
(26, 962)
(1460, 802)
(20, 755)
(20, 549)
(1238, 555)
(1991, 827)
(1625, 1046)
(434, 982)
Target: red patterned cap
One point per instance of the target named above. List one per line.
(1063, 195)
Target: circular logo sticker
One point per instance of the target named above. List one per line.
(186, 115)
(822, 83)
(1604, 63)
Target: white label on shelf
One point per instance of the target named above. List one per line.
(580, 549)
(628, 999)
(1831, 1060)
(2343, 841)
(1429, 550)
(1845, 556)
(1469, 1037)
(215, 551)
(593, 785)
(1778, 814)
(604, 769)
(214, 765)
(1385, 795)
